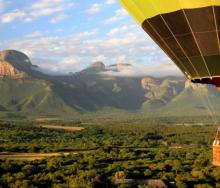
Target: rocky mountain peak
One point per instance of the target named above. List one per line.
(148, 83)
(17, 59)
(98, 65)
(13, 63)
(94, 68)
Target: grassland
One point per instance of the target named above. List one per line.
(106, 151)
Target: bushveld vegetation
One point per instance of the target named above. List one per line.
(180, 155)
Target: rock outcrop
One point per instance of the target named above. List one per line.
(14, 63)
(94, 68)
(17, 59)
(7, 69)
(148, 83)
(98, 66)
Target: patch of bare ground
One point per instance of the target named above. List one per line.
(47, 119)
(31, 156)
(66, 128)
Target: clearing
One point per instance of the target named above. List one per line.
(66, 128)
(30, 156)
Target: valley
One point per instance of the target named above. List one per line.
(94, 92)
(92, 129)
(105, 152)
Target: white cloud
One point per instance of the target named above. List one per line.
(59, 18)
(95, 8)
(34, 34)
(3, 4)
(101, 58)
(110, 2)
(72, 63)
(48, 7)
(39, 9)
(87, 34)
(120, 30)
(98, 7)
(60, 30)
(120, 14)
(71, 60)
(140, 70)
(125, 44)
(41, 4)
(11, 16)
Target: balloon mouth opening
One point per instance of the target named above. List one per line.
(210, 81)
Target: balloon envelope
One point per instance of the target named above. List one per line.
(187, 30)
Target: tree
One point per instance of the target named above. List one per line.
(120, 175)
(147, 173)
(203, 186)
(177, 166)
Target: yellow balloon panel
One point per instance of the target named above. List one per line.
(189, 4)
(165, 6)
(144, 9)
(147, 5)
(134, 10)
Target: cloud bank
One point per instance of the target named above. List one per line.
(108, 35)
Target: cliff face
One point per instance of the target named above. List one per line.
(7, 69)
(13, 63)
(148, 83)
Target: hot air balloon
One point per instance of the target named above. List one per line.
(188, 31)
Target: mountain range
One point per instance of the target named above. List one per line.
(26, 91)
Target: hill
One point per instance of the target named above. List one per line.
(25, 91)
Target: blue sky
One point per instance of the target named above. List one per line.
(68, 35)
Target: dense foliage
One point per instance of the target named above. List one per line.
(178, 154)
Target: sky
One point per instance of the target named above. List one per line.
(68, 35)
